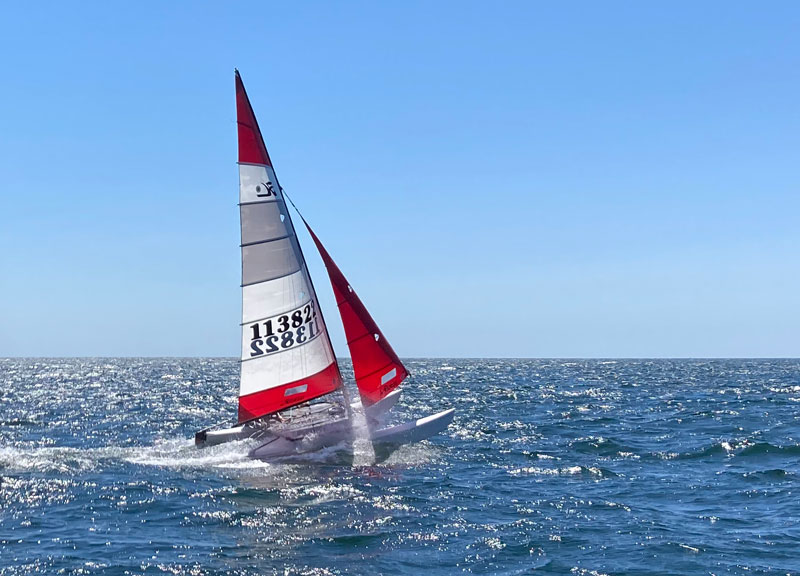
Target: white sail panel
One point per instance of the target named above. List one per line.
(274, 370)
(285, 330)
(257, 183)
(284, 293)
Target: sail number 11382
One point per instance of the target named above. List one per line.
(285, 331)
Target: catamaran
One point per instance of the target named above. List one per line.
(292, 397)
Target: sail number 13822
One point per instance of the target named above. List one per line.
(285, 331)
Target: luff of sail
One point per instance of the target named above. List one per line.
(287, 357)
(376, 367)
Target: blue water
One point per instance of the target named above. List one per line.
(551, 467)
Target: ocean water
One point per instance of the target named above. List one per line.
(580, 467)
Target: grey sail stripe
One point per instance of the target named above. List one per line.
(293, 308)
(262, 221)
(255, 164)
(294, 347)
(271, 279)
(267, 241)
(270, 260)
(290, 224)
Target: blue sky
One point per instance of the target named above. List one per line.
(521, 179)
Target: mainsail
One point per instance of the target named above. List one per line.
(287, 357)
(377, 368)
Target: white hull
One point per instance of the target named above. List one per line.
(376, 413)
(304, 441)
(414, 430)
(314, 431)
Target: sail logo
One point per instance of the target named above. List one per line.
(284, 331)
(265, 190)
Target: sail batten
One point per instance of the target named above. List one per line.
(376, 366)
(256, 242)
(287, 357)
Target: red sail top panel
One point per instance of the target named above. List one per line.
(251, 145)
(377, 368)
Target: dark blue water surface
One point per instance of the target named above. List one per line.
(552, 467)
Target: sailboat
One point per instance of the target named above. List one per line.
(292, 397)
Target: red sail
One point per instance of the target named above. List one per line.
(251, 145)
(377, 368)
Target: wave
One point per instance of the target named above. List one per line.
(174, 453)
(773, 474)
(760, 448)
(19, 422)
(599, 445)
(588, 471)
(716, 449)
(45, 459)
(181, 453)
(736, 448)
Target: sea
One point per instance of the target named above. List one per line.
(580, 467)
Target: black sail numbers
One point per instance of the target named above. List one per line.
(284, 331)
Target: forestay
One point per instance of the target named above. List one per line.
(377, 368)
(287, 357)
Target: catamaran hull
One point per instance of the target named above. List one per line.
(377, 412)
(206, 438)
(340, 433)
(415, 430)
(305, 440)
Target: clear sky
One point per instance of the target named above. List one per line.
(496, 179)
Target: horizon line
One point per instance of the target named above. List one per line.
(236, 359)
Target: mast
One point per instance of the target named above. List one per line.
(287, 357)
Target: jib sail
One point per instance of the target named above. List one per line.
(377, 368)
